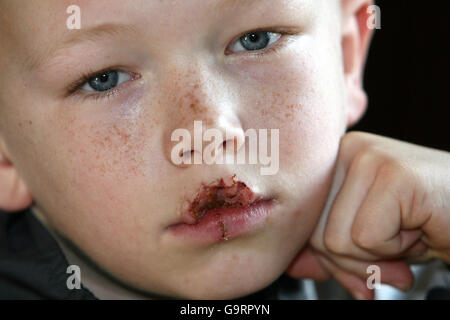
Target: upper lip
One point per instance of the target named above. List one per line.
(222, 193)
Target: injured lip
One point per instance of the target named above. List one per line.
(222, 210)
(224, 194)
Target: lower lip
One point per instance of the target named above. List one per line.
(225, 223)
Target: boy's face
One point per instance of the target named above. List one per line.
(98, 164)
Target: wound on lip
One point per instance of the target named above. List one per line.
(221, 195)
(224, 230)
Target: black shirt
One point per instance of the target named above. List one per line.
(32, 266)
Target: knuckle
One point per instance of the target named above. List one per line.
(363, 162)
(394, 173)
(352, 137)
(349, 141)
(363, 239)
(389, 171)
(335, 243)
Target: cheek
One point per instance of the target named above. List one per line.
(102, 167)
(107, 142)
(300, 95)
(104, 173)
(105, 151)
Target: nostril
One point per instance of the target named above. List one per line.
(183, 154)
(231, 143)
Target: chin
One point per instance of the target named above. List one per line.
(224, 292)
(228, 281)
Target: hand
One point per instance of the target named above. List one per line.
(389, 204)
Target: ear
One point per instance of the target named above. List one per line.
(14, 194)
(356, 37)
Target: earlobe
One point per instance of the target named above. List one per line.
(14, 194)
(356, 38)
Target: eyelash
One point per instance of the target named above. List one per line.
(76, 87)
(273, 48)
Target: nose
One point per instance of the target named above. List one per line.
(197, 144)
(203, 125)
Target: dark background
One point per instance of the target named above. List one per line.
(407, 74)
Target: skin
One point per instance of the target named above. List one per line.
(92, 167)
(388, 206)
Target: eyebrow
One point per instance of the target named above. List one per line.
(93, 34)
(221, 5)
(111, 30)
(98, 32)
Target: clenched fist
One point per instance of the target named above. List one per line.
(389, 204)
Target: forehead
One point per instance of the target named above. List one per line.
(29, 17)
(37, 27)
(50, 13)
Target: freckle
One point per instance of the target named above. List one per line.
(30, 122)
(209, 121)
(20, 124)
(125, 136)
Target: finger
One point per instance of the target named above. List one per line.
(354, 284)
(396, 273)
(381, 225)
(307, 265)
(349, 145)
(356, 186)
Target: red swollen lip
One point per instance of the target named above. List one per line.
(221, 211)
(234, 194)
(225, 223)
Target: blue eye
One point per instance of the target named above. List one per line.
(253, 41)
(106, 81)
